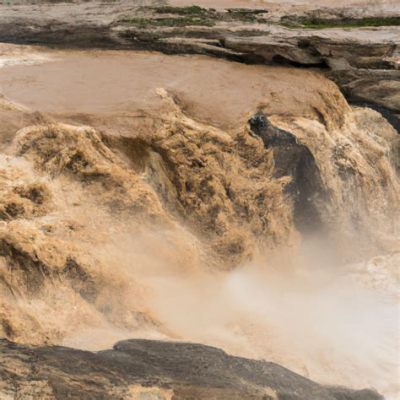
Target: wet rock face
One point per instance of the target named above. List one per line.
(375, 88)
(295, 160)
(137, 369)
(270, 135)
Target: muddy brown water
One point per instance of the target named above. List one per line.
(248, 311)
(105, 82)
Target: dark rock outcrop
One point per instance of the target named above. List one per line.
(270, 135)
(138, 369)
(293, 159)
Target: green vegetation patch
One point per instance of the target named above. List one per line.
(317, 23)
(169, 22)
(192, 10)
(168, 16)
(246, 14)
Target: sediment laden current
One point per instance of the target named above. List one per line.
(192, 232)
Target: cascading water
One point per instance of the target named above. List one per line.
(162, 223)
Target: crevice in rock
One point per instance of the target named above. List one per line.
(281, 60)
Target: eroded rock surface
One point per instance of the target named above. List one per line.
(138, 369)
